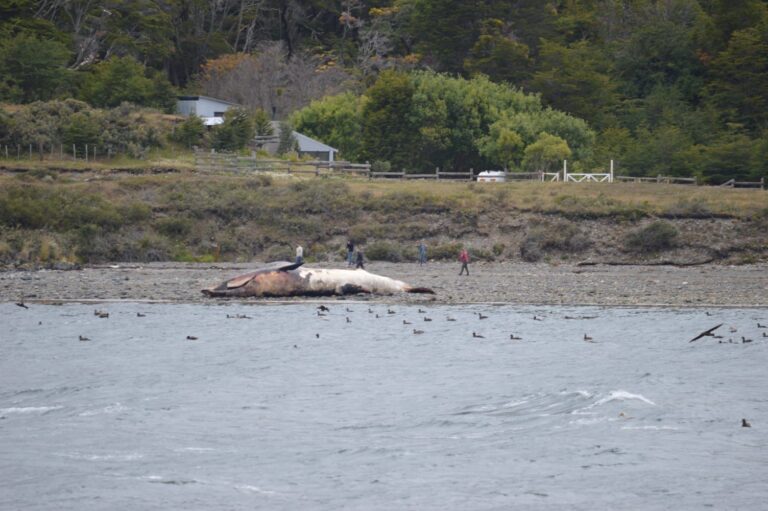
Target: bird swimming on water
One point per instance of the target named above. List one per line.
(418, 331)
(477, 336)
(83, 338)
(745, 423)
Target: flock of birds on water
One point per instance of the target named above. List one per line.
(323, 311)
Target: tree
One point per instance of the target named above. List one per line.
(663, 54)
(497, 54)
(387, 133)
(287, 141)
(545, 153)
(83, 128)
(739, 83)
(32, 69)
(502, 145)
(576, 79)
(190, 132)
(122, 79)
(235, 132)
(336, 121)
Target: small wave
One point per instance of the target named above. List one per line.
(30, 409)
(623, 395)
(129, 456)
(254, 489)
(655, 428)
(195, 449)
(115, 408)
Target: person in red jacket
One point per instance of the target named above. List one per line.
(464, 260)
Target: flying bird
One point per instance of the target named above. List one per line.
(707, 333)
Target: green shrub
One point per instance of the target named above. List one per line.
(546, 237)
(278, 253)
(190, 132)
(174, 227)
(381, 166)
(689, 209)
(444, 252)
(654, 237)
(384, 251)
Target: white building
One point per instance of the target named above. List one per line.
(211, 110)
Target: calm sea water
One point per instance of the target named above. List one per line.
(286, 410)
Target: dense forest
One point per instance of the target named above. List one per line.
(674, 87)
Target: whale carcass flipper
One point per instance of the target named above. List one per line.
(241, 280)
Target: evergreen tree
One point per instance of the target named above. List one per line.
(32, 69)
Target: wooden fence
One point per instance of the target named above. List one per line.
(61, 152)
(228, 162)
(657, 179)
(732, 183)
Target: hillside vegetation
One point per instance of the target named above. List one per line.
(50, 217)
(672, 87)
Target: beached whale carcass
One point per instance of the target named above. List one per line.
(289, 279)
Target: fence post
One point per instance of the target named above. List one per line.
(611, 181)
(30, 151)
(565, 171)
(471, 173)
(74, 153)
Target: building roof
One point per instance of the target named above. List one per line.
(197, 98)
(310, 145)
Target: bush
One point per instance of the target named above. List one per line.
(190, 132)
(547, 237)
(174, 227)
(381, 166)
(384, 251)
(278, 253)
(444, 252)
(654, 237)
(235, 132)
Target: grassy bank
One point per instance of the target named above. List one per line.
(94, 216)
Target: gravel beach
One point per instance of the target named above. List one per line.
(512, 283)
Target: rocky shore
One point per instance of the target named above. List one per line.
(512, 283)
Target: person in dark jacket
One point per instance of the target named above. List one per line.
(350, 253)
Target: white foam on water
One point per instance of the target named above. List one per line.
(654, 428)
(623, 395)
(115, 408)
(130, 456)
(254, 489)
(195, 449)
(30, 409)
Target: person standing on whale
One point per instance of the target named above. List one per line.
(299, 255)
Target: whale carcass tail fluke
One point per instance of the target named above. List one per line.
(422, 290)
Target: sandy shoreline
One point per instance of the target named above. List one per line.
(512, 283)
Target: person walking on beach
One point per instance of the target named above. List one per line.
(359, 260)
(422, 253)
(350, 253)
(299, 255)
(464, 260)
